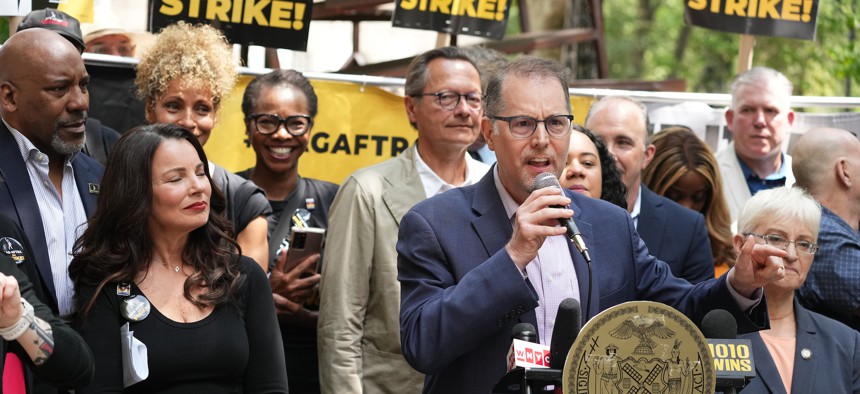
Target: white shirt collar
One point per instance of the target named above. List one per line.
(26, 147)
(636, 207)
(434, 185)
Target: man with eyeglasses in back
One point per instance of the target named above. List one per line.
(359, 320)
(107, 36)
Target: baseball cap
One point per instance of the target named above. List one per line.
(56, 20)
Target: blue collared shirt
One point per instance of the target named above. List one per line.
(831, 287)
(756, 184)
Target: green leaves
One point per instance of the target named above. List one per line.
(663, 47)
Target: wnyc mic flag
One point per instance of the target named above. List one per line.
(268, 23)
(482, 18)
(777, 18)
(528, 355)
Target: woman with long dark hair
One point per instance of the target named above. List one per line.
(157, 255)
(685, 170)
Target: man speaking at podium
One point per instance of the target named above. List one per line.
(474, 261)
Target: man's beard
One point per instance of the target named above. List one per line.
(62, 147)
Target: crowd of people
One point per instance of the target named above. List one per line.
(131, 262)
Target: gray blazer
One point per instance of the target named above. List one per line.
(358, 335)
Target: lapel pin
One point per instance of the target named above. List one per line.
(300, 217)
(123, 289)
(806, 353)
(93, 188)
(135, 308)
(12, 248)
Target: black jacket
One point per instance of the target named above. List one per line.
(70, 366)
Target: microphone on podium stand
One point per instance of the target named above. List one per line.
(529, 373)
(525, 352)
(733, 359)
(568, 321)
(524, 332)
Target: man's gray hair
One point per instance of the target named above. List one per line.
(418, 73)
(762, 75)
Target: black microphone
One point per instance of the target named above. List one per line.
(546, 179)
(524, 332)
(568, 322)
(525, 376)
(733, 358)
(719, 324)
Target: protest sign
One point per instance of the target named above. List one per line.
(482, 18)
(268, 23)
(777, 18)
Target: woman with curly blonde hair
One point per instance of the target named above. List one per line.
(183, 79)
(684, 170)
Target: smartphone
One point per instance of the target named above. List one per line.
(304, 241)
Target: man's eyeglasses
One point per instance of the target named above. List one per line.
(450, 100)
(296, 125)
(781, 242)
(126, 50)
(524, 126)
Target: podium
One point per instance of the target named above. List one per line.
(528, 381)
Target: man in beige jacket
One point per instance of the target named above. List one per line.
(358, 334)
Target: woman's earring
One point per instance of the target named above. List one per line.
(247, 142)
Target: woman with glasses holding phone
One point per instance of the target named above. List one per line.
(801, 346)
(279, 109)
(183, 78)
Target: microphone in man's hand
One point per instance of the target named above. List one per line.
(546, 179)
(568, 322)
(733, 358)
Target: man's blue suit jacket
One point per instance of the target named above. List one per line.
(461, 293)
(18, 202)
(833, 365)
(676, 235)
